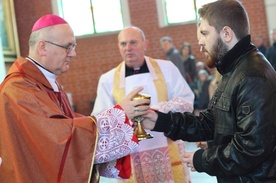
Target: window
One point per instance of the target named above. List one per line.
(8, 31)
(88, 17)
(178, 11)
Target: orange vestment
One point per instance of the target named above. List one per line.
(41, 138)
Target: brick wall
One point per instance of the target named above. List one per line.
(98, 54)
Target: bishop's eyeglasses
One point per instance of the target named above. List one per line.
(68, 48)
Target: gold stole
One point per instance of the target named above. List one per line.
(162, 92)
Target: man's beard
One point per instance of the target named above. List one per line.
(217, 53)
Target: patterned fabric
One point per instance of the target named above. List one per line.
(174, 105)
(156, 166)
(116, 142)
(115, 136)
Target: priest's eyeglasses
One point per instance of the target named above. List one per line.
(68, 48)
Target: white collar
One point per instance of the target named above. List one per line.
(49, 76)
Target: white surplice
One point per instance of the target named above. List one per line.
(180, 98)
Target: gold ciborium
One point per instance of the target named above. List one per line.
(139, 131)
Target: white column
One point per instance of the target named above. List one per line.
(270, 6)
(2, 63)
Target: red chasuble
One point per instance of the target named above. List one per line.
(41, 139)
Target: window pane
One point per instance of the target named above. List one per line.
(200, 3)
(180, 10)
(183, 10)
(107, 15)
(3, 28)
(78, 15)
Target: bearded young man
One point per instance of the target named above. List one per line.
(240, 121)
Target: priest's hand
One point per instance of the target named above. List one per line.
(202, 145)
(136, 107)
(188, 159)
(150, 119)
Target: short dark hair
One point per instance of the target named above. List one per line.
(186, 44)
(166, 38)
(226, 13)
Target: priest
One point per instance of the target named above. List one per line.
(158, 159)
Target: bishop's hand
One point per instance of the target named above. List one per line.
(134, 108)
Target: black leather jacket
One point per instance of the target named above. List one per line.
(240, 121)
